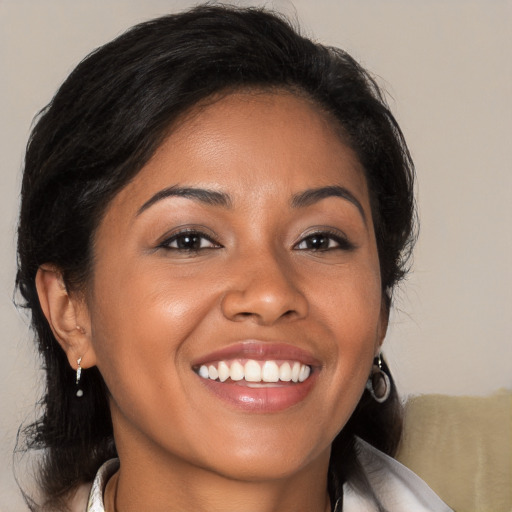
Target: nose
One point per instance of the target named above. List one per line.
(264, 290)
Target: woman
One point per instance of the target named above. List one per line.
(215, 212)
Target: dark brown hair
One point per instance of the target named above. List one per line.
(103, 125)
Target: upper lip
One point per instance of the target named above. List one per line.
(259, 350)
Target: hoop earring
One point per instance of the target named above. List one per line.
(379, 384)
(79, 391)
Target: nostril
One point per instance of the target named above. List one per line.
(242, 315)
(264, 302)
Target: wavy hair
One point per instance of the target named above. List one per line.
(104, 124)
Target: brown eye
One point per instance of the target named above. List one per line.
(324, 241)
(317, 242)
(189, 241)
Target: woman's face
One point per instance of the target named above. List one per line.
(244, 248)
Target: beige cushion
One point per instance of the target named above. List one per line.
(462, 447)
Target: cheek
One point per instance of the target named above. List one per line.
(349, 303)
(140, 321)
(142, 325)
(350, 310)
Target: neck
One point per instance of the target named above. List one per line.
(150, 480)
(125, 496)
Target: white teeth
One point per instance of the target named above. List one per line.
(237, 371)
(256, 371)
(223, 370)
(295, 372)
(304, 373)
(212, 372)
(285, 372)
(270, 372)
(252, 371)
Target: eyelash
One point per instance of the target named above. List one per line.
(190, 233)
(341, 242)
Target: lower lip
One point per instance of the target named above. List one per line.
(262, 399)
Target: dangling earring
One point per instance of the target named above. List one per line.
(79, 391)
(378, 383)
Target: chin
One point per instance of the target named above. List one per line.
(271, 460)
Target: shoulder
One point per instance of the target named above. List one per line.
(396, 487)
(89, 497)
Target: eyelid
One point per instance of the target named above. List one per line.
(335, 234)
(201, 231)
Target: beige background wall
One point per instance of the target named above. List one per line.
(447, 66)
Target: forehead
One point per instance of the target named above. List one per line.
(248, 143)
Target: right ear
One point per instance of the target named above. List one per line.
(67, 316)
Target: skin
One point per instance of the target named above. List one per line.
(152, 310)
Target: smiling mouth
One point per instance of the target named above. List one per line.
(258, 377)
(253, 373)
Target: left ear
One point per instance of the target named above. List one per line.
(67, 315)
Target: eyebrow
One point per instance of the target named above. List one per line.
(216, 198)
(312, 196)
(206, 196)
